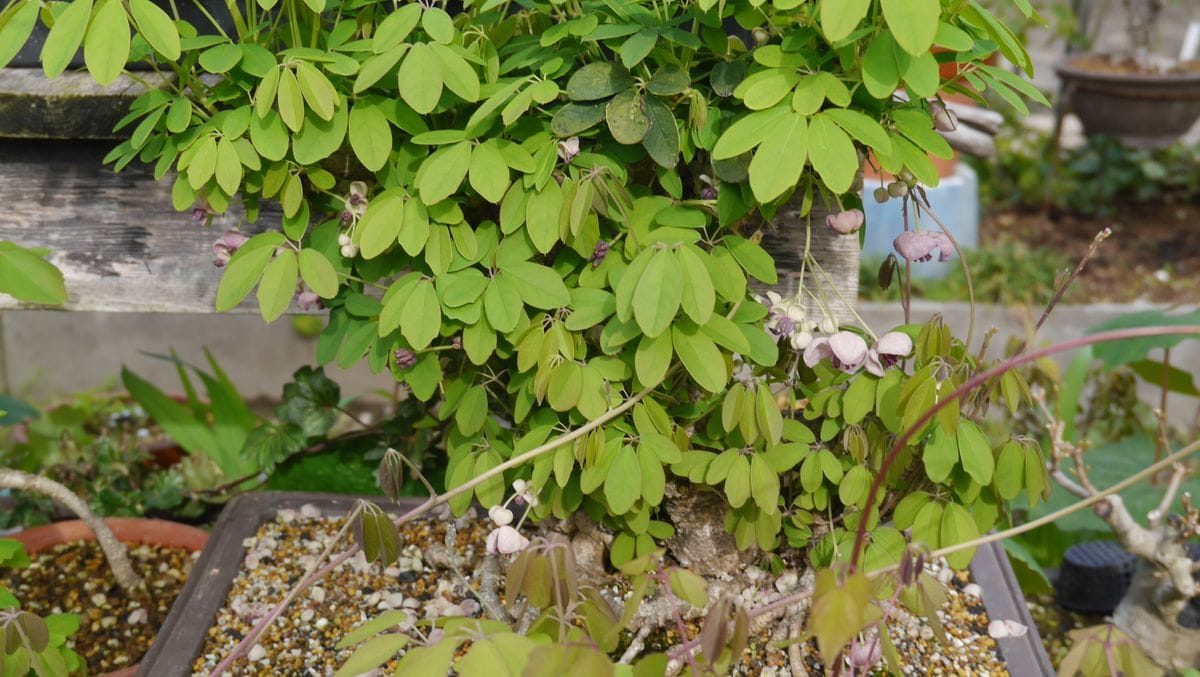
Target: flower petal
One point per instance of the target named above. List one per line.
(894, 343)
(817, 350)
(849, 348)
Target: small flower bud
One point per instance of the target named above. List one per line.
(761, 36)
(568, 149)
(828, 325)
(344, 240)
(308, 300)
(350, 250)
(405, 359)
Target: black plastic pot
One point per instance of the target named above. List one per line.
(183, 634)
(28, 56)
(1140, 110)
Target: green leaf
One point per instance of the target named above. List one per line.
(659, 294)
(699, 297)
(913, 22)
(777, 165)
(623, 483)
(854, 485)
(458, 75)
(840, 17)
(488, 172)
(749, 131)
(421, 318)
(575, 118)
(539, 286)
(318, 273)
(320, 138)
(598, 80)
(628, 117)
(438, 25)
(278, 285)
(395, 27)
(543, 216)
(379, 226)
(106, 45)
(862, 127)
(420, 79)
(443, 172)
(1010, 471)
(316, 89)
(1173, 378)
(1115, 353)
(221, 58)
(374, 653)
(26, 276)
(502, 303)
(668, 81)
(245, 269)
(662, 139)
(654, 479)
(917, 125)
(652, 359)
(764, 484)
(15, 32)
(975, 453)
(179, 422)
(472, 411)
(832, 154)
(880, 72)
(958, 527)
(940, 456)
(922, 76)
(64, 38)
(290, 101)
(700, 357)
(370, 135)
(737, 481)
(752, 258)
(228, 169)
(859, 399)
(156, 27)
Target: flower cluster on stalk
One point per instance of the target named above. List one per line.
(505, 539)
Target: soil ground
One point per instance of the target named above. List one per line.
(1153, 254)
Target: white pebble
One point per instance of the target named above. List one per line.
(310, 511)
(137, 616)
(317, 594)
(99, 599)
(945, 575)
(307, 615)
(257, 653)
(973, 590)
(321, 623)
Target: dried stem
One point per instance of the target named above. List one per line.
(114, 550)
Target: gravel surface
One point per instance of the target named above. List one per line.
(115, 631)
(301, 642)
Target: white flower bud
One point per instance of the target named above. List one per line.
(500, 515)
(344, 240)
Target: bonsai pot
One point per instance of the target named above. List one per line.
(1143, 110)
(127, 530)
(183, 634)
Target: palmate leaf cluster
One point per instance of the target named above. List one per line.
(524, 285)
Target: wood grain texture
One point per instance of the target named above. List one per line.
(784, 238)
(71, 106)
(120, 244)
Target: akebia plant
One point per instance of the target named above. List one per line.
(545, 217)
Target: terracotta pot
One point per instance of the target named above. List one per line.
(127, 530)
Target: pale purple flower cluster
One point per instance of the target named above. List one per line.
(920, 245)
(848, 351)
(225, 247)
(405, 359)
(845, 223)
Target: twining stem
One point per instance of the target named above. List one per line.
(261, 626)
(980, 379)
(962, 260)
(114, 550)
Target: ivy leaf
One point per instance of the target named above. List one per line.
(278, 286)
(659, 294)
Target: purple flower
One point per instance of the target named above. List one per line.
(225, 247)
(865, 654)
(845, 223)
(308, 300)
(405, 359)
(887, 351)
(919, 246)
(599, 252)
(568, 149)
(845, 350)
(506, 541)
(200, 216)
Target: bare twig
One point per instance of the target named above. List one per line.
(1178, 472)
(114, 550)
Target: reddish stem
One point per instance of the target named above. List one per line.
(860, 534)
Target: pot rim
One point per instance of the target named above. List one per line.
(1067, 67)
(126, 529)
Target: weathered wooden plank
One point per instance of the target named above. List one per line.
(71, 106)
(120, 244)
